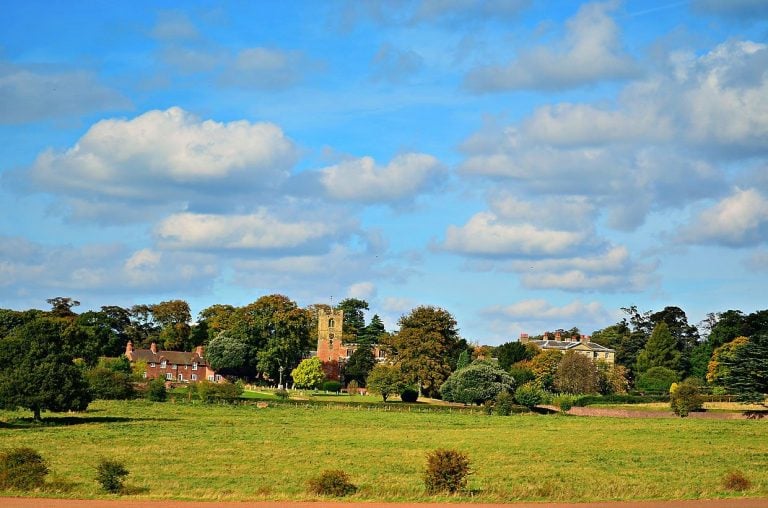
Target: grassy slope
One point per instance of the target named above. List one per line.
(221, 452)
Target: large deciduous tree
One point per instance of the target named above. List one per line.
(360, 364)
(427, 341)
(61, 306)
(476, 383)
(37, 373)
(576, 374)
(215, 319)
(276, 331)
(227, 355)
(173, 316)
(309, 373)
(544, 367)
(108, 328)
(386, 380)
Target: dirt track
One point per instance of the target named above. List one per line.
(131, 503)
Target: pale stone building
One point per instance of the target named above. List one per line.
(580, 344)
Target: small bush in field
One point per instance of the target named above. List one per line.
(22, 469)
(156, 391)
(447, 471)
(684, 399)
(409, 395)
(282, 394)
(564, 402)
(735, 480)
(332, 386)
(529, 395)
(332, 483)
(504, 402)
(110, 475)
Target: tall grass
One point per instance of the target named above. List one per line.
(220, 452)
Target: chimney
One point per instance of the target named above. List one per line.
(129, 350)
(557, 336)
(585, 338)
(545, 336)
(199, 351)
(524, 338)
(153, 348)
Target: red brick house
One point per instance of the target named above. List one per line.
(175, 366)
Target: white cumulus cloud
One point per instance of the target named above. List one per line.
(739, 220)
(166, 156)
(591, 51)
(260, 231)
(539, 309)
(485, 235)
(362, 180)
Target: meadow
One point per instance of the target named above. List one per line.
(222, 452)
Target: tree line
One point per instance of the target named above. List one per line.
(47, 350)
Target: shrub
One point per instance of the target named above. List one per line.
(22, 469)
(488, 407)
(564, 401)
(521, 374)
(228, 392)
(332, 386)
(156, 391)
(657, 380)
(529, 395)
(447, 471)
(587, 400)
(409, 395)
(108, 384)
(685, 399)
(476, 383)
(504, 402)
(353, 387)
(735, 480)
(282, 394)
(110, 475)
(332, 483)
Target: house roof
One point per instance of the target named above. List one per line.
(177, 357)
(565, 345)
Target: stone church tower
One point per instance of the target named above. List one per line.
(330, 349)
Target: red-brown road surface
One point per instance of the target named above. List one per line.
(129, 503)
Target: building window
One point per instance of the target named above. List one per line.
(145, 374)
(218, 378)
(194, 377)
(194, 365)
(331, 324)
(169, 376)
(174, 367)
(181, 377)
(152, 364)
(163, 364)
(210, 378)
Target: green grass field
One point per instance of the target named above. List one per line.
(216, 452)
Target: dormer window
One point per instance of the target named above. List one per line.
(163, 364)
(194, 365)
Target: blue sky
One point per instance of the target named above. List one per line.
(524, 165)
